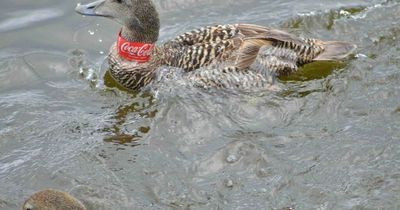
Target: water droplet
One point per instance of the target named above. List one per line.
(347, 128)
(100, 40)
(101, 52)
(91, 32)
(375, 40)
(81, 71)
(263, 173)
(229, 183)
(359, 55)
(344, 13)
(91, 74)
(231, 159)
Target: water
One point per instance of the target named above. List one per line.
(329, 139)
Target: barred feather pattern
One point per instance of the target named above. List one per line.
(272, 62)
(229, 78)
(201, 47)
(208, 34)
(306, 52)
(195, 56)
(131, 75)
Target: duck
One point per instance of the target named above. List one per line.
(226, 56)
(51, 199)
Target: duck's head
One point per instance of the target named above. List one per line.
(139, 17)
(52, 199)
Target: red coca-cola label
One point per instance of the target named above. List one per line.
(134, 51)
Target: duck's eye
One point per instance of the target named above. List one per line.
(119, 1)
(28, 207)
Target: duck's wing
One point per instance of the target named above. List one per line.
(212, 44)
(219, 33)
(272, 62)
(280, 42)
(251, 31)
(241, 43)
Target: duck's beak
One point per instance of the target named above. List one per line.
(90, 9)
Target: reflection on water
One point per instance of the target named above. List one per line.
(317, 70)
(328, 139)
(121, 131)
(21, 19)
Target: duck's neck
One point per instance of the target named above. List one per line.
(139, 35)
(146, 26)
(141, 31)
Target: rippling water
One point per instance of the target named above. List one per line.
(329, 139)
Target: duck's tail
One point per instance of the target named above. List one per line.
(335, 50)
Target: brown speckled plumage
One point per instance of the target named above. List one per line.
(51, 199)
(245, 52)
